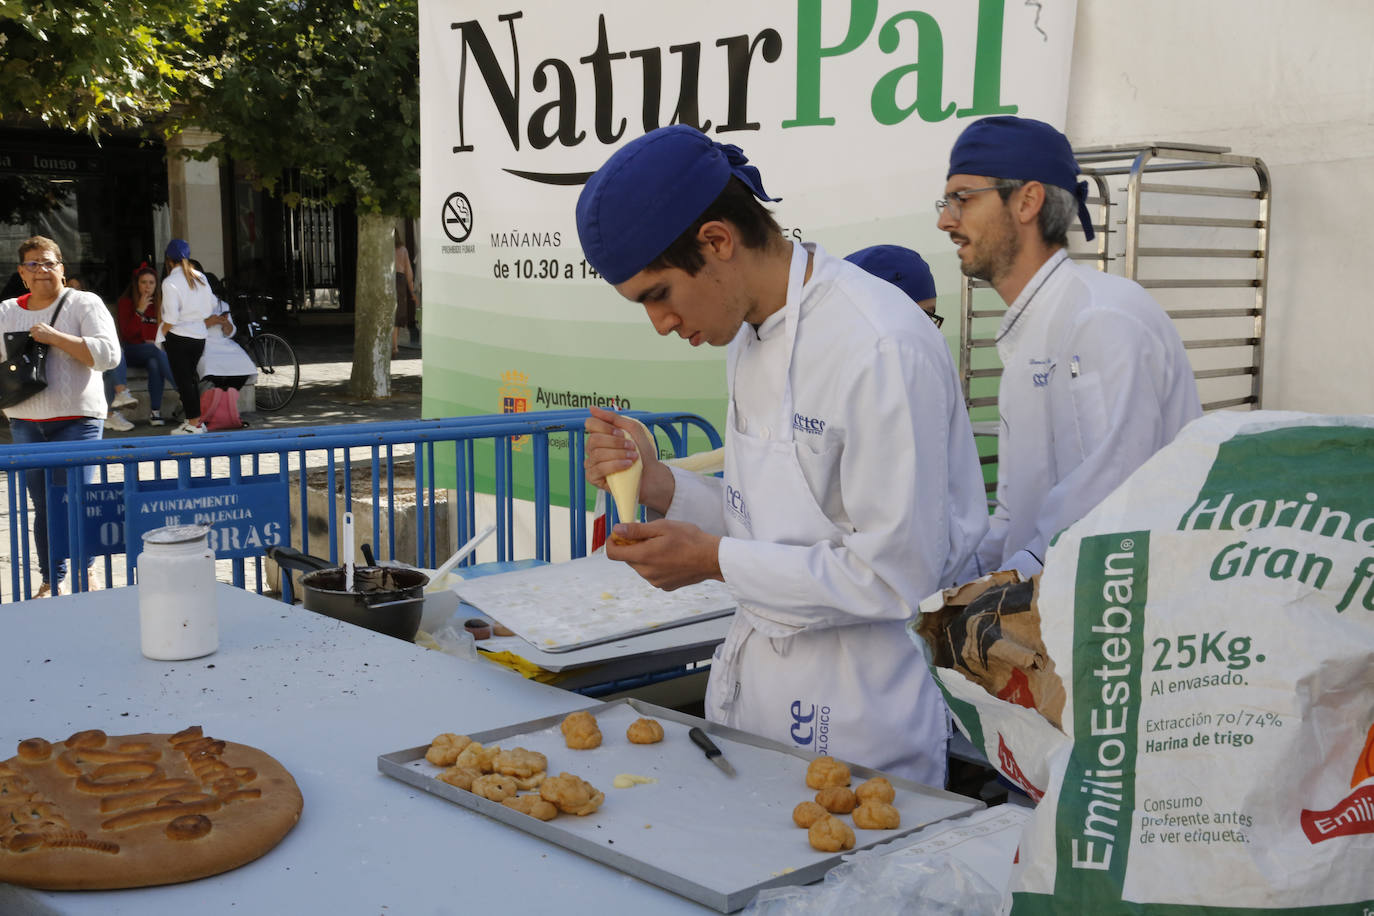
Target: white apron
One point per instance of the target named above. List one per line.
(859, 693)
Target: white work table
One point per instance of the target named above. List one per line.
(325, 698)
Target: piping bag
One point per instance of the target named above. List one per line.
(624, 486)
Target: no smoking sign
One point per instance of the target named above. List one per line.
(457, 217)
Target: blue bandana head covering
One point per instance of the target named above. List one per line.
(1022, 149)
(899, 266)
(650, 191)
(178, 250)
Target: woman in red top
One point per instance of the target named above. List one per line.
(138, 319)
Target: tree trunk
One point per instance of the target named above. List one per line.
(374, 308)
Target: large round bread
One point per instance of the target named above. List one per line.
(101, 811)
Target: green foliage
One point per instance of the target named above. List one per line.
(88, 64)
(329, 87)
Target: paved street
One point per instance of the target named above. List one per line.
(326, 357)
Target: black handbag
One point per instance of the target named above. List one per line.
(25, 372)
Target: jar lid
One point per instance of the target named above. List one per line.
(176, 534)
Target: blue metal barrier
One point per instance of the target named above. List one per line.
(247, 499)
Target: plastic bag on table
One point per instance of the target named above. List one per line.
(886, 884)
(450, 640)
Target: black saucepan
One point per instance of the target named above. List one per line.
(385, 599)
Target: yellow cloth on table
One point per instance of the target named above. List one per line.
(521, 666)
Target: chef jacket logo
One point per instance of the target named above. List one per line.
(811, 726)
(1041, 377)
(807, 424)
(734, 501)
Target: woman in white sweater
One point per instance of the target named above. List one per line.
(82, 344)
(186, 303)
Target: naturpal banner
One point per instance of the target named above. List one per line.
(847, 108)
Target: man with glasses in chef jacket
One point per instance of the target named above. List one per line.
(1095, 379)
(851, 487)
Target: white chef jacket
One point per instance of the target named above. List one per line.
(885, 449)
(186, 308)
(1095, 380)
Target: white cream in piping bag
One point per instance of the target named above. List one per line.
(624, 485)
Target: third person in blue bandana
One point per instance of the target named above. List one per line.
(851, 488)
(1095, 378)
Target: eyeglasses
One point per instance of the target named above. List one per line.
(938, 319)
(43, 266)
(956, 200)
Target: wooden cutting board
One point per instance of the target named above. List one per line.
(564, 606)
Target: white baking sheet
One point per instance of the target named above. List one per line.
(564, 606)
(715, 839)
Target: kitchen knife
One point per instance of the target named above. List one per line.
(713, 754)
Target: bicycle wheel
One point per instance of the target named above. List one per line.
(279, 373)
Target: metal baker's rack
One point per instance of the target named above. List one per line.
(1190, 224)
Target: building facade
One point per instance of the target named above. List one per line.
(112, 205)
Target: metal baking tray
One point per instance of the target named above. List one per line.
(696, 832)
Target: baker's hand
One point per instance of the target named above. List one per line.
(668, 554)
(612, 443)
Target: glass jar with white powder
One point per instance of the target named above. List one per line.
(177, 600)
